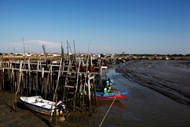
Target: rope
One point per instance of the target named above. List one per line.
(108, 111)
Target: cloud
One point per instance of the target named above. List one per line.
(40, 43)
(30, 46)
(35, 46)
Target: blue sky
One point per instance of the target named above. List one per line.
(111, 26)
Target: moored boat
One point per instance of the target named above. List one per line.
(111, 95)
(38, 104)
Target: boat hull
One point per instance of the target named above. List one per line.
(39, 109)
(43, 106)
(111, 96)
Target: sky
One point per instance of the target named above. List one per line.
(97, 26)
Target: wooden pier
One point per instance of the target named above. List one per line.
(70, 79)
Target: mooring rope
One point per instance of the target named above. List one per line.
(108, 111)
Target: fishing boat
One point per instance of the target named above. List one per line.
(111, 95)
(38, 104)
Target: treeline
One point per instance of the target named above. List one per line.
(175, 55)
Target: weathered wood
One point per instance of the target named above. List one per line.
(47, 86)
(51, 86)
(36, 79)
(12, 78)
(3, 77)
(89, 92)
(69, 79)
(19, 78)
(29, 79)
(18, 87)
(57, 82)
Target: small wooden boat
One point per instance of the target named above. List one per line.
(38, 104)
(111, 96)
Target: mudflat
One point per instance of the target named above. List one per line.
(23, 117)
(19, 117)
(169, 77)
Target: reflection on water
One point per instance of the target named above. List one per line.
(117, 104)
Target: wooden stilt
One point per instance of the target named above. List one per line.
(18, 87)
(72, 79)
(57, 82)
(3, 77)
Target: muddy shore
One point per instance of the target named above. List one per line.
(169, 77)
(23, 117)
(20, 117)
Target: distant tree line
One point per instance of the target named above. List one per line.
(122, 54)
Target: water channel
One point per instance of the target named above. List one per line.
(143, 107)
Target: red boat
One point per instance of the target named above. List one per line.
(111, 96)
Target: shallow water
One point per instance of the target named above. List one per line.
(143, 107)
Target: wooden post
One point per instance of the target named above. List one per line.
(89, 92)
(47, 85)
(100, 74)
(3, 77)
(42, 72)
(83, 91)
(94, 87)
(51, 81)
(57, 82)
(18, 87)
(42, 81)
(36, 79)
(29, 79)
(12, 78)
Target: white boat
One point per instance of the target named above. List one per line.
(38, 104)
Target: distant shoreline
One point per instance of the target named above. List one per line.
(117, 58)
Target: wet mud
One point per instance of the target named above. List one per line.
(169, 77)
(23, 117)
(19, 117)
(143, 106)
